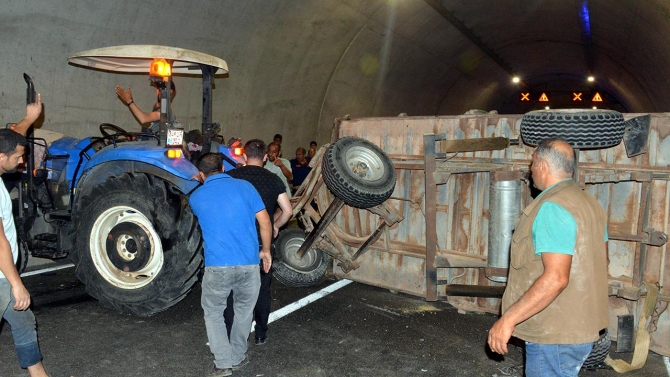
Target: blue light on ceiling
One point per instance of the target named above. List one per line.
(585, 18)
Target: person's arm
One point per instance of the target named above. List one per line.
(126, 96)
(284, 169)
(266, 238)
(21, 295)
(33, 111)
(543, 292)
(284, 214)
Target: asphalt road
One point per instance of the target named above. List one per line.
(357, 330)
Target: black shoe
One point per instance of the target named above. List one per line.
(260, 341)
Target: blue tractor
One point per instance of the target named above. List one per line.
(117, 205)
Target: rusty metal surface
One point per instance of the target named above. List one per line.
(398, 259)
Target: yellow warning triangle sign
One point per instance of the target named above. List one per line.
(597, 98)
(544, 98)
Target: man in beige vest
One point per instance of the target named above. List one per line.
(556, 296)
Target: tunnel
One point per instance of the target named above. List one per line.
(296, 65)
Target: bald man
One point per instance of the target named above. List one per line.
(556, 295)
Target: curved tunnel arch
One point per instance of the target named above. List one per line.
(295, 66)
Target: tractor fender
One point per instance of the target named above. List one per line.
(145, 157)
(180, 176)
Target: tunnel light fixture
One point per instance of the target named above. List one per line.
(590, 79)
(546, 107)
(595, 107)
(516, 79)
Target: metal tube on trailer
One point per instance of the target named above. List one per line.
(504, 210)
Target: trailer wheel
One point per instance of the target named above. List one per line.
(358, 172)
(293, 271)
(137, 246)
(581, 128)
(601, 348)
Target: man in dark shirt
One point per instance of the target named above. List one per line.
(300, 166)
(272, 192)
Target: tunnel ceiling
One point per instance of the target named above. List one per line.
(295, 65)
(555, 45)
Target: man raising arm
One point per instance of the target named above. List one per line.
(14, 297)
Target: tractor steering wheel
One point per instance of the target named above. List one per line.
(118, 131)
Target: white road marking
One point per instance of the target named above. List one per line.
(277, 314)
(56, 268)
(667, 363)
(288, 309)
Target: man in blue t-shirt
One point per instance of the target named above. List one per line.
(227, 210)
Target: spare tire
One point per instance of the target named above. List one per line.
(358, 172)
(581, 128)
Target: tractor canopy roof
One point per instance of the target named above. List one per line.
(137, 58)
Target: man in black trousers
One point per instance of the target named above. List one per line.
(273, 193)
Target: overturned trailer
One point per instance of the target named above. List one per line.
(443, 231)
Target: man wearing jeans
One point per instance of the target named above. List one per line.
(556, 296)
(227, 210)
(14, 297)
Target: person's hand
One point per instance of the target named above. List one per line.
(278, 162)
(33, 110)
(199, 177)
(21, 296)
(124, 95)
(499, 335)
(266, 258)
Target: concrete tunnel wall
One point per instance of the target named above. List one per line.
(294, 65)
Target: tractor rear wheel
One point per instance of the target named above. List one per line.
(138, 246)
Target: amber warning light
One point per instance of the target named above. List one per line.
(238, 151)
(525, 97)
(160, 68)
(173, 153)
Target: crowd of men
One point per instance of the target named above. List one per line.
(293, 172)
